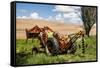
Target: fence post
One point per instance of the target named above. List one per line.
(83, 47)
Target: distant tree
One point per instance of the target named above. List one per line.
(88, 15)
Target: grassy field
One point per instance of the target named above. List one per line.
(24, 55)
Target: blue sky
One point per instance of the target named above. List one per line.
(26, 9)
(67, 14)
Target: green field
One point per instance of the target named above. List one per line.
(24, 55)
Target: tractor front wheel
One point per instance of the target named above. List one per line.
(52, 46)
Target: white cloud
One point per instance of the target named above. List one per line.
(69, 13)
(22, 17)
(33, 15)
(72, 18)
(65, 9)
(76, 20)
(19, 17)
(59, 18)
(49, 18)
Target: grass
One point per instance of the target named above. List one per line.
(24, 56)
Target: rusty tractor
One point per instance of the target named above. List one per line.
(57, 44)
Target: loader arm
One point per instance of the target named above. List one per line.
(74, 37)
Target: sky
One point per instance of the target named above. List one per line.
(61, 13)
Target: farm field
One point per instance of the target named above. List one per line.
(61, 27)
(24, 55)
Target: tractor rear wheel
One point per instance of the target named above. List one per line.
(52, 46)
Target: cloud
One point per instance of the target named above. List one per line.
(22, 17)
(22, 10)
(59, 17)
(33, 15)
(65, 9)
(72, 18)
(49, 18)
(69, 13)
(19, 17)
(76, 20)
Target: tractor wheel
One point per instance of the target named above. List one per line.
(73, 49)
(52, 46)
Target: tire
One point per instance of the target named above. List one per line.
(52, 46)
(73, 49)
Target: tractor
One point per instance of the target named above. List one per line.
(57, 43)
